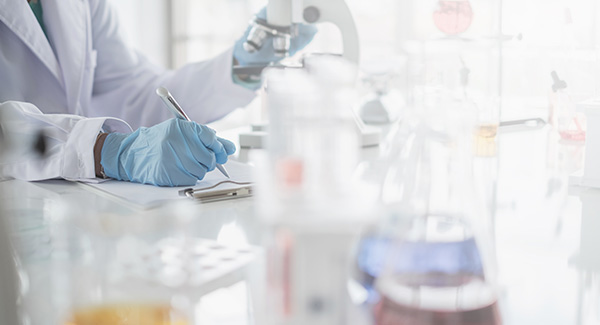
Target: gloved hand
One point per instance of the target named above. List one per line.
(173, 153)
(266, 54)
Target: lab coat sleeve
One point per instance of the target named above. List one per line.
(69, 142)
(125, 81)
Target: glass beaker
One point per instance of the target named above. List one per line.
(114, 268)
(486, 128)
(440, 265)
(314, 141)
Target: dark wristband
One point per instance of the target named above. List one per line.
(98, 155)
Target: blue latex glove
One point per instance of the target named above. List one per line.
(266, 54)
(173, 153)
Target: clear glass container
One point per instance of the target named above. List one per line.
(384, 100)
(439, 265)
(306, 195)
(570, 123)
(8, 272)
(456, 45)
(313, 143)
(116, 269)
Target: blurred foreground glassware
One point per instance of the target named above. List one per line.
(100, 266)
(8, 267)
(136, 268)
(306, 196)
(8, 275)
(128, 314)
(440, 263)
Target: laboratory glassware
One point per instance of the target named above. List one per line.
(453, 17)
(453, 45)
(19, 219)
(8, 272)
(440, 263)
(383, 102)
(305, 193)
(119, 267)
(570, 123)
(488, 117)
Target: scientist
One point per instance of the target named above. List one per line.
(65, 69)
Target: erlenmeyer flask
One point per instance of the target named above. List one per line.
(440, 263)
(453, 16)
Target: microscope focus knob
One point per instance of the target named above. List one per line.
(311, 14)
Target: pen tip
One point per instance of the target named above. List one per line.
(222, 170)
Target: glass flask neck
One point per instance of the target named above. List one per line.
(432, 175)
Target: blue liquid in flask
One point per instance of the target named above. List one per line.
(436, 278)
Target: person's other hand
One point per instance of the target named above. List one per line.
(266, 53)
(173, 153)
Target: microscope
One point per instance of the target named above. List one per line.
(283, 18)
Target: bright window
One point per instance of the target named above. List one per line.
(538, 36)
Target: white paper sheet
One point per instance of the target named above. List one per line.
(149, 196)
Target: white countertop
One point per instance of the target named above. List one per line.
(548, 265)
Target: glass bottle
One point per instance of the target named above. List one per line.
(571, 124)
(439, 267)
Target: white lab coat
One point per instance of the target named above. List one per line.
(84, 78)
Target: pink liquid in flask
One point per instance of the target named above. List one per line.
(462, 304)
(453, 17)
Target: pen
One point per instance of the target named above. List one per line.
(174, 107)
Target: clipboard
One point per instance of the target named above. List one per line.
(213, 187)
(208, 194)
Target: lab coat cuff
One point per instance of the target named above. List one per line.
(78, 161)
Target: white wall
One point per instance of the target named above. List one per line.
(146, 27)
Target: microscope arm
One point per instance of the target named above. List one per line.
(338, 13)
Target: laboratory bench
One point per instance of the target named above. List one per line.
(546, 236)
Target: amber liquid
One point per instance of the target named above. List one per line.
(484, 140)
(487, 130)
(127, 314)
